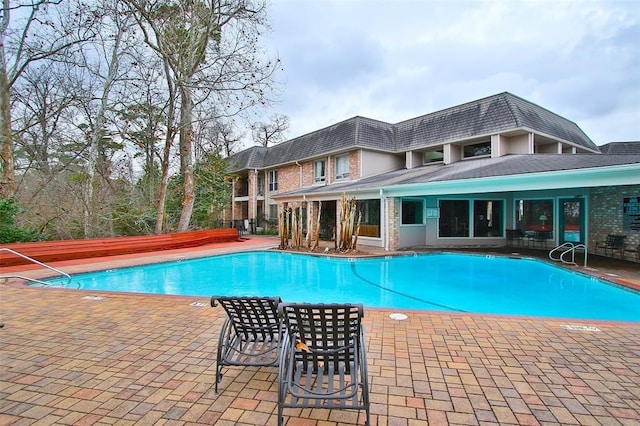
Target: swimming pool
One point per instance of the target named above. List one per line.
(443, 282)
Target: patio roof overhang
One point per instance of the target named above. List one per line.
(626, 174)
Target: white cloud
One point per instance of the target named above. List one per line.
(394, 60)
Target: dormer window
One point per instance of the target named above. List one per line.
(481, 149)
(434, 156)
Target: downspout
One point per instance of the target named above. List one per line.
(300, 175)
(383, 220)
(233, 204)
(256, 191)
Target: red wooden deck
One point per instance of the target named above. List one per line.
(50, 251)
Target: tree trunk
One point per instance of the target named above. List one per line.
(97, 135)
(186, 163)
(7, 167)
(168, 143)
(164, 183)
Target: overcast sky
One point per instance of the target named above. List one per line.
(394, 60)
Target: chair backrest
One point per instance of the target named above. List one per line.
(616, 241)
(251, 315)
(325, 332)
(513, 234)
(542, 235)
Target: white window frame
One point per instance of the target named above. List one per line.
(485, 143)
(425, 161)
(340, 159)
(317, 178)
(273, 180)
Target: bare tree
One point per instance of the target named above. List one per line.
(45, 101)
(271, 133)
(141, 113)
(228, 137)
(214, 137)
(103, 60)
(46, 29)
(209, 49)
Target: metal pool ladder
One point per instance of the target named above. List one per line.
(568, 247)
(4, 276)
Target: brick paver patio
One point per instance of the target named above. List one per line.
(69, 357)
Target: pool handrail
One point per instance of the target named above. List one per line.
(571, 249)
(4, 276)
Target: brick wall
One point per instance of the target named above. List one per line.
(605, 214)
(354, 165)
(288, 178)
(289, 175)
(307, 173)
(393, 221)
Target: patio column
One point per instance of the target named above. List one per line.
(252, 182)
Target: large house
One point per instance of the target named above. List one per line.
(470, 175)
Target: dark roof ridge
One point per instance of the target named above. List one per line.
(510, 107)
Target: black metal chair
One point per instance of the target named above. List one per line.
(613, 243)
(323, 362)
(515, 236)
(541, 238)
(251, 333)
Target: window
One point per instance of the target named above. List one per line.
(477, 150)
(487, 218)
(318, 171)
(412, 212)
(273, 211)
(370, 217)
(260, 184)
(534, 215)
(342, 167)
(436, 156)
(273, 180)
(454, 218)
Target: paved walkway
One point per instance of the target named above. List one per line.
(76, 357)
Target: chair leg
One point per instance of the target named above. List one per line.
(365, 389)
(218, 376)
(222, 342)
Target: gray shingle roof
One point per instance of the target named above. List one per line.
(334, 138)
(632, 147)
(491, 115)
(481, 117)
(537, 118)
(250, 158)
(519, 164)
(507, 165)
(487, 116)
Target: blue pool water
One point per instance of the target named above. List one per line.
(442, 282)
